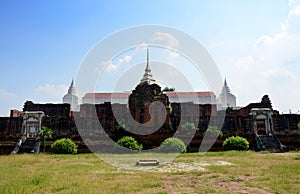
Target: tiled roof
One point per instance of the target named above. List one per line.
(107, 95)
(190, 94)
(169, 94)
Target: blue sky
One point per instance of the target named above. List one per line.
(255, 43)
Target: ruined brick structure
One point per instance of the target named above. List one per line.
(141, 99)
(239, 120)
(61, 119)
(51, 110)
(58, 117)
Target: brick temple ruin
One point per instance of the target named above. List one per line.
(258, 122)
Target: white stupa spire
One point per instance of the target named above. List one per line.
(71, 97)
(226, 89)
(72, 88)
(147, 77)
(226, 98)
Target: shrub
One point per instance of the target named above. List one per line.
(189, 127)
(64, 146)
(172, 144)
(129, 142)
(235, 143)
(213, 131)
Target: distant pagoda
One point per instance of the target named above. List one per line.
(72, 98)
(226, 98)
(146, 92)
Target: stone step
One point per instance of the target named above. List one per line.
(27, 146)
(269, 143)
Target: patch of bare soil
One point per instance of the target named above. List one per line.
(240, 187)
(210, 183)
(179, 183)
(174, 167)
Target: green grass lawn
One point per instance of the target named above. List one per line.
(214, 172)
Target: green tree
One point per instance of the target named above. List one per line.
(189, 127)
(298, 128)
(213, 131)
(44, 134)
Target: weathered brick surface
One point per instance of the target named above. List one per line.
(61, 120)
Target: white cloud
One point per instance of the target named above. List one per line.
(264, 40)
(174, 55)
(141, 46)
(294, 2)
(50, 93)
(273, 65)
(8, 100)
(125, 59)
(169, 41)
(282, 49)
(110, 66)
(165, 39)
(291, 23)
(269, 65)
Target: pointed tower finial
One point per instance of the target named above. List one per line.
(71, 97)
(72, 89)
(72, 83)
(226, 87)
(147, 56)
(148, 77)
